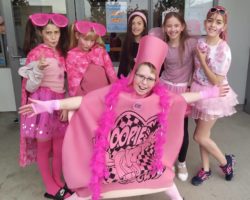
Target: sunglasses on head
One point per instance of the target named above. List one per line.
(220, 11)
(42, 19)
(85, 26)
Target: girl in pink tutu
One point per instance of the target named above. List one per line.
(123, 139)
(211, 66)
(43, 79)
(88, 64)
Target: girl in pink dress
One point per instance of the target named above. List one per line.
(88, 64)
(43, 79)
(211, 66)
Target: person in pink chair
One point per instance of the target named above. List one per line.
(123, 139)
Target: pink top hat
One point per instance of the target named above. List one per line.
(151, 49)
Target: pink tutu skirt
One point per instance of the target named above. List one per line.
(44, 125)
(213, 108)
(178, 88)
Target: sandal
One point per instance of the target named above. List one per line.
(58, 196)
(67, 190)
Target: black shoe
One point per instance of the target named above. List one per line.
(67, 189)
(201, 177)
(228, 169)
(16, 120)
(58, 196)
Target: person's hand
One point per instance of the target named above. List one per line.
(201, 56)
(215, 91)
(37, 107)
(42, 62)
(64, 116)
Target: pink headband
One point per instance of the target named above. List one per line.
(138, 14)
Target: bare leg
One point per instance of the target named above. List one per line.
(207, 145)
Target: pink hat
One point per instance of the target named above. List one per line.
(138, 13)
(151, 49)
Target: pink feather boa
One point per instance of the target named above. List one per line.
(106, 123)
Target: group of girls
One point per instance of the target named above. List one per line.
(88, 67)
(193, 64)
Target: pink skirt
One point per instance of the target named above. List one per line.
(178, 88)
(44, 125)
(213, 108)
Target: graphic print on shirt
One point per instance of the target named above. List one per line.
(131, 149)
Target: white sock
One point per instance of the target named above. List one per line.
(173, 193)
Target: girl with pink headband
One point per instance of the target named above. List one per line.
(88, 64)
(136, 29)
(43, 79)
(126, 144)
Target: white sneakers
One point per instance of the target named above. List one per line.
(182, 172)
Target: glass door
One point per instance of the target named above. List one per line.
(98, 10)
(15, 14)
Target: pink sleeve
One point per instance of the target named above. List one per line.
(222, 60)
(109, 68)
(72, 73)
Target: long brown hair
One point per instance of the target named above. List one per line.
(129, 39)
(184, 34)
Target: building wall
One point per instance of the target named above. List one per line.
(239, 41)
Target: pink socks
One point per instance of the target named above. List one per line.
(57, 161)
(173, 193)
(43, 153)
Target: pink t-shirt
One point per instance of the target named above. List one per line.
(131, 142)
(174, 70)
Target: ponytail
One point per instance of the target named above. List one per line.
(31, 39)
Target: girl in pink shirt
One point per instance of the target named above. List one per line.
(88, 64)
(43, 79)
(178, 69)
(211, 66)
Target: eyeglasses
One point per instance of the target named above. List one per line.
(148, 79)
(220, 11)
(86, 26)
(42, 19)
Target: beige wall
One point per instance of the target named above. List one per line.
(239, 41)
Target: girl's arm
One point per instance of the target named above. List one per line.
(33, 75)
(109, 68)
(212, 77)
(37, 106)
(215, 91)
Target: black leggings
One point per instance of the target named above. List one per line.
(185, 143)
